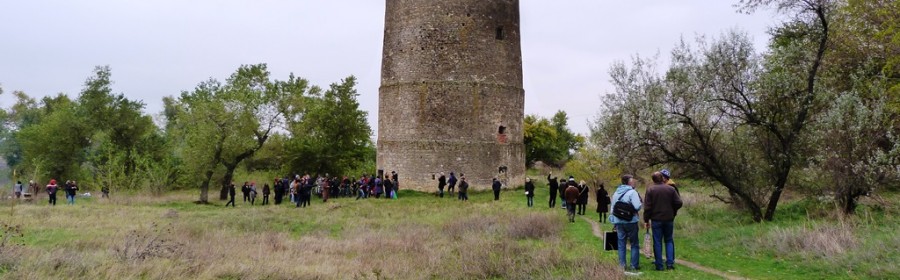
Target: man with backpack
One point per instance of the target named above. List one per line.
(663, 202)
(625, 206)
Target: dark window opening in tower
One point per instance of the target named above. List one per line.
(500, 35)
(501, 130)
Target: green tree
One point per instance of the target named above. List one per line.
(333, 136)
(225, 124)
(738, 118)
(550, 141)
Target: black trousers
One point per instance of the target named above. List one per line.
(278, 198)
(246, 197)
(552, 198)
(230, 202)
(581, 209)
(53, 199)
(496, 194)
(265, 199)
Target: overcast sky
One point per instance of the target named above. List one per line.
(162, 47)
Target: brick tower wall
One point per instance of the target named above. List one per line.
(451, 97)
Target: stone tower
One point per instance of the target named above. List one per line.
(451, 97)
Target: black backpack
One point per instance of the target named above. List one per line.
(623, 210)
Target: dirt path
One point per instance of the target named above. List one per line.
(599, 234)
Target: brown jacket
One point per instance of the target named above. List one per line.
(571, 194)
(661, 203)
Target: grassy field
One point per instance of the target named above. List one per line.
(420, 236)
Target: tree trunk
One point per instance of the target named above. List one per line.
(204, 188)
(226, 181)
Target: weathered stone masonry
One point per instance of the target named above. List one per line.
(451, 96)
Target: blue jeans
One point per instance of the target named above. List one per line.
(662, 231)
(629, 232)
(70, 199)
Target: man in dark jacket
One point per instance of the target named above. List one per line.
(571, 196)
(266, 192)
(231, 194)
(52, 188)
(451, 184)
(279, 191)
(245, 189)
(463, 188)
(442, 181)
(661, 202)
(496, 187)
(554, 188)
(529, 191)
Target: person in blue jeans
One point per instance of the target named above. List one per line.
(627, 229)
(660, 209)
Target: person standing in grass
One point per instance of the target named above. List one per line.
(451, 184)
(463, 188)
(71, 190)
(266, 192)
(668, 177)
(245, 190)
(659, 212)
(495, 186)
(51, 191)
(602, 202)
(554, 188)
(326, 190)
(562, 192)
(583, 190)
(442, 182)
(627, 229)
(252, 192)
(18, 189)
(529, 191)
(570, 195)
(231, 194)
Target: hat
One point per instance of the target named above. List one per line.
(571, 179)
(665, 172)
(53, 181)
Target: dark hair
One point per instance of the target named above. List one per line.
(657, 178)
(626, 179)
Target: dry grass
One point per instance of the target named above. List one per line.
(171, 238)
(813, 240)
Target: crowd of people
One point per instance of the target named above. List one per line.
(299, 190)
(660, 206)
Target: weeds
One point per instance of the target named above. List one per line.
(139, 245)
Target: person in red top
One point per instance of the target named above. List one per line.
(51, 191)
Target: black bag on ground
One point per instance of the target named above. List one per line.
(611, 242)
(623, 210)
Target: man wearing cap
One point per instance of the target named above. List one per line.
(668, 176)
(662, 203)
